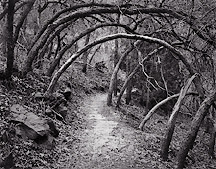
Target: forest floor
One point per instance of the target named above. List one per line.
(95, 136)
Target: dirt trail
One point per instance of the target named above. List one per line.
(106, 143)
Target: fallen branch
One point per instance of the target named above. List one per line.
(59, 116)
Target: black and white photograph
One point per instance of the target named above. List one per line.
(107, 84)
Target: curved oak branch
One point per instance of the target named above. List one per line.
(112, 37)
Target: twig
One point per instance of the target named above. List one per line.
(59, 115)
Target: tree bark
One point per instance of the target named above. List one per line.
(85, 55)
(129, 85)
(125, 84)
(24, 14)
(213, 133)
(171, 122)
(128, 92)
(116, 56)
(91, 58)
(191, 136)
(10, 39)
(114, 74)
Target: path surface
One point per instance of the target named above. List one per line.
(106, 143)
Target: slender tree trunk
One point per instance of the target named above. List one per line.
(58, 45)
(128, 92)
(129, 85)
(24, 14)
(116, 57)
(96, 50)
(171, 123)
(213, 133)
(85, 55)
(114, 74)
(4, 29)
(147, 97)
(125, 84)
(191, 136)
(10, 39)
(49, 53)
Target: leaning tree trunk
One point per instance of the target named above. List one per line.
(114, 74)
(213, 133)
(191, 136)
(10, 39)
(171, 123)
(22, 19)
(125, 84)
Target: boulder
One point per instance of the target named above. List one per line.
(29, 125)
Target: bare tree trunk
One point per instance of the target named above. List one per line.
(49, 53)
(96, 50)
(85, 55)
(212, 142)
(147, 97)
(4, 29)
(114, 74)
(129, 85)
(50, 40)
(171, 123)
(116, 57)
(213, 133)
(24, 14)
(58, 45)
(10, 39)
(191, 136)
(128, 92)
(125, 84)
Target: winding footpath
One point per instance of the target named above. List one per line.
(106, 142)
